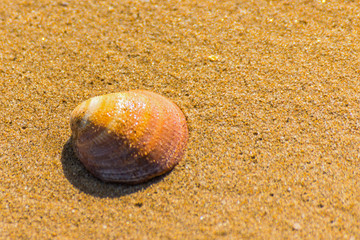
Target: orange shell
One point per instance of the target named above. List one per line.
(129, 137)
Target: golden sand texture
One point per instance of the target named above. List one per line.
(270, 90)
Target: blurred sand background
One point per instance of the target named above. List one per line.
(270, 89)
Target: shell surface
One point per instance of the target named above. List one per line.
(129, 137)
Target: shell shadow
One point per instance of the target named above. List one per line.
(80, 178)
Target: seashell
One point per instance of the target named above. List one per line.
(129, 137)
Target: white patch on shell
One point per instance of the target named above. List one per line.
(93, 105)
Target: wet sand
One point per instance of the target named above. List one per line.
(270, 90)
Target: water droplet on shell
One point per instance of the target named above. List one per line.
(129, 137)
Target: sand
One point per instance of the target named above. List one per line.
(271, 94)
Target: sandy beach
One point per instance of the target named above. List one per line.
(270, 90)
